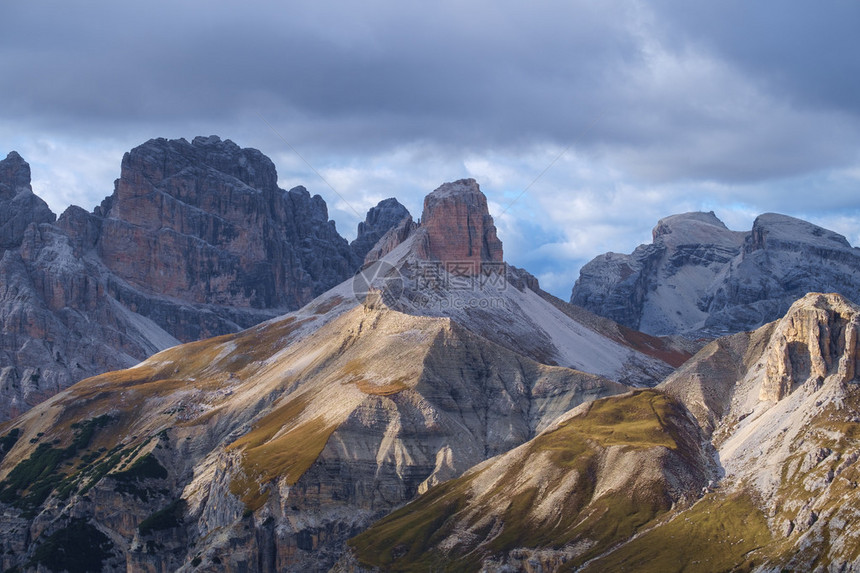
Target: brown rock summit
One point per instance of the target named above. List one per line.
(458, 227)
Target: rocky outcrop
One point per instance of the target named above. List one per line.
(697, 278)
(19, 207)
(197, 240)
(391, 240)
(387, 214)
(817, 339)
(457, 227)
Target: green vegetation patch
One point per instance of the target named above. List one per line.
(132, 479)
(716, 534)
(30, 483)
(143, 468)
(405, 540)
(76, 548)
(8, 441)
(167, 518)
(278, 446)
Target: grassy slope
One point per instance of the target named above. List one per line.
(407, 539)
(719, 533)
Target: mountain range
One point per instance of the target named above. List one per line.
(196, 240)
(436, 410)
(698, 278)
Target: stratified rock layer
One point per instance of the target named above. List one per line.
(699, 278)
(561, 499)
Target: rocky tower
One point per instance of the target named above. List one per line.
(457, 226)
(387, 214)
(817, 339)
(18, 205)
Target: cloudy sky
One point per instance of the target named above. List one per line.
(584, 122)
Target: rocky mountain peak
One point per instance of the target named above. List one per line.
(14, 175)
(773, 230)
(205, 159)
(458, 226)
(816, 340)
(387, 214)
(19, 206)
(699, 278)
(205, 221)
(691, 228)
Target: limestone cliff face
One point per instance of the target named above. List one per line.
(782, 259)
(197, 240)
(656, 289)
(699, 278)
(457, 225)
(206, 222)
(817, 339)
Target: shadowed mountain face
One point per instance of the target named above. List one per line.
(267, 449)
(197, 240)
(387, 214)
(699, 278)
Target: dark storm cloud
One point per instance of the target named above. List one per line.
(805, 51)
(368, 76)
(485, 70)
